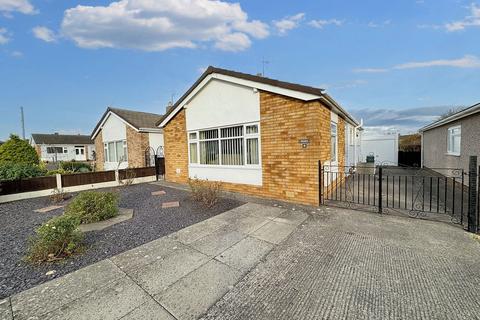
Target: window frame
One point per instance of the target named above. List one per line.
(219, 138)
(334, 156)
(450, 148)
(107, 153)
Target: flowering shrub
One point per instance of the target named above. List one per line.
(56, 239)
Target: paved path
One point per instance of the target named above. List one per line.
(175, 277)
(353, 265)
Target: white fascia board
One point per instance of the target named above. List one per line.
(151, 130)
(246, 83)
(100, 127)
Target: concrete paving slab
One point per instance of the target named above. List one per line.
(218, 241)
(191, 297)
(292, 217)
(145, 254)
(158, 193)
(245, 254)
(150, 310)
(157, 276)
(274, 232)
(258, 210)
(123, 215)
(5, 310)
(107, 303)
(248, 224)
(198, 230)
(50, 295)
(173, 204)
(47, 209)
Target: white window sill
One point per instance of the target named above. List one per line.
(215, 166)
(453, 154)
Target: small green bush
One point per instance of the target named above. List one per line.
(92, 206)
(73, 166)
(204, 191)
(58, 171)
(15, 171)
(56, 239)
(16, 150)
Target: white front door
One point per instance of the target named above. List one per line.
(80, 153)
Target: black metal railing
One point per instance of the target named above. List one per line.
(440, 193)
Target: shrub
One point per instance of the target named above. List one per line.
(15, 171)
(56, 239)
(92, 206)
(58, 171)
(58, 195)
(73, 166)
(204, 191)
(16, 150)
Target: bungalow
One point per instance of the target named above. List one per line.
(257, 135)
(449, 142)
(63, 147)
(123, 138)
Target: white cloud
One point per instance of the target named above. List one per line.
(16, 54)
(44, 33)
(162, 24)
(472, 20)
(319, 24)
(466, 62)
(370, 70)
(4, 38)
(23, 6)
(372, 24)
(288, 23)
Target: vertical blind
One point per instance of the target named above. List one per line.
(230, 146)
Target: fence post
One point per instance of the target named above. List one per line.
(380, 182)
(59, 181)
(472, 189)
(319, 182)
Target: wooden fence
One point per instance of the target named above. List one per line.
(27, 185)
(72, 180)
(79, 179)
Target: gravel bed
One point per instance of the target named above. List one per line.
(18, 223)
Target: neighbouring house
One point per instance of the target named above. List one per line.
(449, 142)
(257, 135)
(63, 147)
(126, 138)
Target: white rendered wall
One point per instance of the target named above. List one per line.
(155, 140)
(383, 147)
(221, 104)
(114, 129)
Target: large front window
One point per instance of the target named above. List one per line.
(116, 151)
(454, 140)
(227, 146)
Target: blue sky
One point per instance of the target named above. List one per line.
(66, 61)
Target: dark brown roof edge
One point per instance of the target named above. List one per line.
(245, 76)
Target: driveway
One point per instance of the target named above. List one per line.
(352, 265)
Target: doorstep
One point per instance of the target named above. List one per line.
(162, 279)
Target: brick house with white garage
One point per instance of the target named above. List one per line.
(123, 137)
(257, 135)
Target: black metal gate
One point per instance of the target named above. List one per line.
(156, 158)
(443, 194)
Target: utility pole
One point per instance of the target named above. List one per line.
(23, 122)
